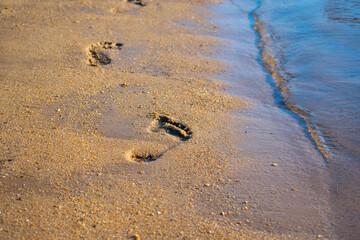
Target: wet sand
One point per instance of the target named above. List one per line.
(114, 124)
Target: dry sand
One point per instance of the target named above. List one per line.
(112, 125)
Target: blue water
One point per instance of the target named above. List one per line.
(317, 48)
(311, 52)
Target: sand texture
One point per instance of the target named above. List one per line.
(113, 126)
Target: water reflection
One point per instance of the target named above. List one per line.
(346, 12)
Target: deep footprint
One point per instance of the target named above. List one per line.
(138, 2)
(98, 55)
(173, 127)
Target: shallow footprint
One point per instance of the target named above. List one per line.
(126, 6)
(98, 52)
(143, 156)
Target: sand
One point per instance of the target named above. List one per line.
(113, 125)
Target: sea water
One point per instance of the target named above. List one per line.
(310, 53)
(313, 48)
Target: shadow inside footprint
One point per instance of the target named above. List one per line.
(138, 2)
(128, 5)
(140, 158)
(173, 127)
(162, 123)
(143, 155)
(98, 55)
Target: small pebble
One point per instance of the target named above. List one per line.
(274, 165)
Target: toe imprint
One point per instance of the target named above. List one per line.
(173, 127)
(99, 52)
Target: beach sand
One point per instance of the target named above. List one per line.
(114, 126)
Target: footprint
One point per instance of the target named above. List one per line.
(172, 126)
(126, 6)
(138, 2)
(98, 52)
(142, 156)
(161, 123)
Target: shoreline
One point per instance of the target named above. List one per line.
(339, 173)
(114, 126)
(273, 136)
